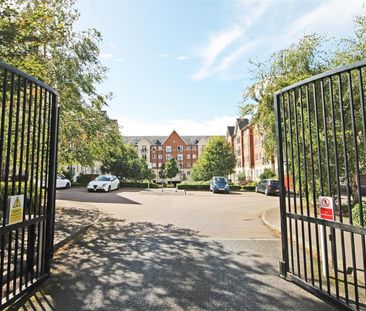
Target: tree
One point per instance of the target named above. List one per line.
(283, 68)
(267, 173)
(127, 164)
(217, 159)
(162, 172)
(171, 169)
(38, 38)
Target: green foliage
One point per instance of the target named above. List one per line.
(83, 179)
(171, 169)
(267, 173)
(38, 37)
(217, 159)
(356, 214)
(162, 172)
(234, 187)
(248, 188)
(142, 185)
(68, 175)
(199, 185)
(241, 177)
(297, 62)
(127, 164)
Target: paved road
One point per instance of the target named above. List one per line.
(170, 251)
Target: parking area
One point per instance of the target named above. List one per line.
(217, 216)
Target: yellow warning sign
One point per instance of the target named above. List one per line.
(16, 204)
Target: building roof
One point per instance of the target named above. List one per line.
(230, 130)
(158, 140)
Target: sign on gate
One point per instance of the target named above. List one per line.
(326, 208)
(16, 209)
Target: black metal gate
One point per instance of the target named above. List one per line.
(28, 149)
(321, 135)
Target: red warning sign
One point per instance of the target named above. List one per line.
(326, 208)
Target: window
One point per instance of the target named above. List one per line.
(194, 156)
(188, 147)
(180, 157)
(168, 149)
(153, 149)
(160, 156)
(154, 156)
(160, 148)
(188, 164)
(194, 147)
(168, 157)
(160, 164)
(180, 149)
(143, 148)
(144, 156)
(188, 156)
(154, 165)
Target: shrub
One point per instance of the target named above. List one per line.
(267, 173)
(198, 185)
(248, 188)
(129, 184)
(356, 217)
(235, 187)
(251, 184)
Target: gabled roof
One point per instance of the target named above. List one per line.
(230, 130)
(159, 140)
(240, 124)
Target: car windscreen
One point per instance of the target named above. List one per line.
(274, 182)
(102, 178)
(220, 179)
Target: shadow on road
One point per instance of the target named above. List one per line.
(144, 266)
(82, 195)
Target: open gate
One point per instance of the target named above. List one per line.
(28, 149)
(321, 136)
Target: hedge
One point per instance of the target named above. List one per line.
(248, 188)
(193, 187)
(129, 184)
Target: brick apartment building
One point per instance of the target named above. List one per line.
(247, 146)
(159, 149)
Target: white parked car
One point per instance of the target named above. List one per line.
(62, 182)
(103, 183)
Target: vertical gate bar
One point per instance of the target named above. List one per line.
(31, 229)
(300, 183)
(27, 155)
(344, 147)
(306, 182)
(284, 263)
(294, 192)
(7, 170)
(316, 111)
(56, 161)
(15, 160)
(333, 231)
(39, 174)
(42, 199)
(48, 140)
(25, 181)
(51, 184)
(287, 177)
(336, 161)
(313, 182)
(2, 129)
(34, 132)
(357, 168)
(325, 127)
(362, 101)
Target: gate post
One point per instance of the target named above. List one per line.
(284, 241)
(51, 187)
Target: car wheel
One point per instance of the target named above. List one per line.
(109, 188)
(266, 192)
(68, 185)
(90, 190)
(227, 191)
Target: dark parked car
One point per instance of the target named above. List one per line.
(219, 184)
(268, 186)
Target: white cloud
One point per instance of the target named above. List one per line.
(213, 53)
(106, 55)
(181, 58)
(214, 126)
(164, 55)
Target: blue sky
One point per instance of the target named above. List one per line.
(183, 64)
